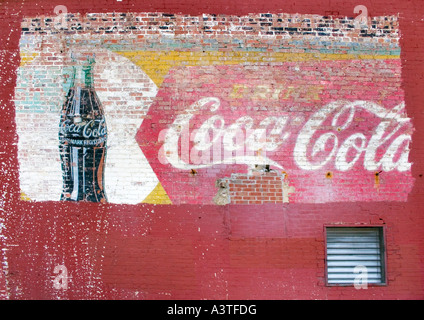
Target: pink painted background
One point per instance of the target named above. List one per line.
(296, 90)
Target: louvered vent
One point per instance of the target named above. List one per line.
(348, 248)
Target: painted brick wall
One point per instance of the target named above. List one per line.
(229, 232)
(138, 54)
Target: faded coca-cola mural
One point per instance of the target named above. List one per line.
(264, 108)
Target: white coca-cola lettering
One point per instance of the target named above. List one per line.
(315, 146)
(89, 130)
(233, 139)
(94, 129)
(356, 141)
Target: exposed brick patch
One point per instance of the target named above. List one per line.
(256, 187)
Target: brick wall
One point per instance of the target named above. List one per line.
(257, 188)
(193, 233)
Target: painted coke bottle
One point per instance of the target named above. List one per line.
(82, 136)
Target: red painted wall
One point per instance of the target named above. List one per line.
(268, 251)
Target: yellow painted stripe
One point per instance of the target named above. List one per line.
(27, 58)
(157, 64)
(157, 196)
(24, 197)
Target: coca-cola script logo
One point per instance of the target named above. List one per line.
(211, 122)
(251, 145)
(83, 133)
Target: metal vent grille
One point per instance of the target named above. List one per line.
(357, 247)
